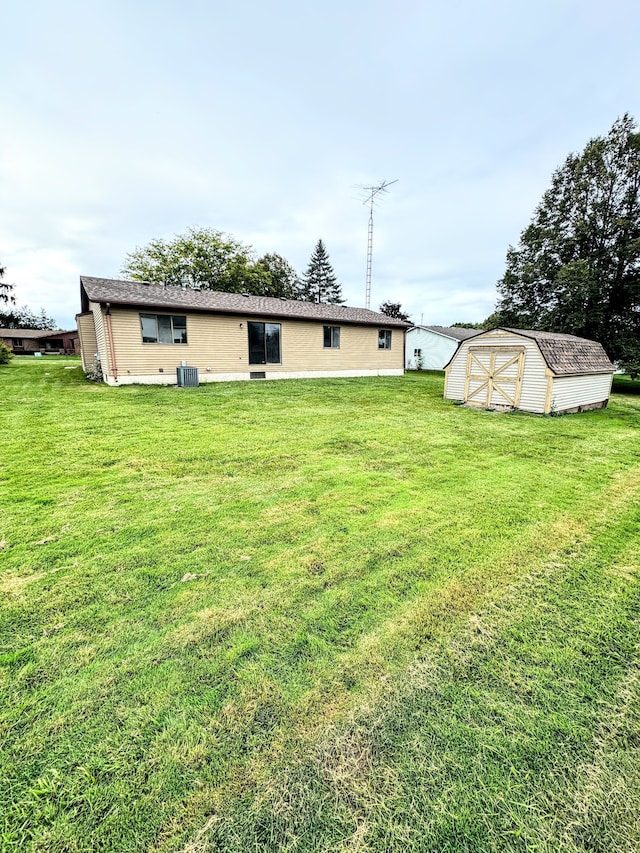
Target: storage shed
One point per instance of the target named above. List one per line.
(541, 372)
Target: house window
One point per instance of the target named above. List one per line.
(384, 338)
(332, 337)
(163, 329)
(264, 343)
(417, 353)
(17, 342)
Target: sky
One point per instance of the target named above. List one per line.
(122, 122)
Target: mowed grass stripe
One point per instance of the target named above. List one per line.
(328, 532)
(518, 733)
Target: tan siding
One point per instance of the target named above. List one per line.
(219, 345)
(101, 337)
(88, 341)
(571, 392)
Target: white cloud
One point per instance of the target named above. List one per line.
(122, 123)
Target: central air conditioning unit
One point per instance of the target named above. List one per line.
(188, 377)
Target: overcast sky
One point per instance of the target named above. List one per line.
(127, 121)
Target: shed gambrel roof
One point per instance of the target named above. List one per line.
(139, 294)
(567, 355)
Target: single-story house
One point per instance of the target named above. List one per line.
(431, 347)
(540, 372)
(142, 333)
(30, 341)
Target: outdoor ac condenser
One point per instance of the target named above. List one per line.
(188, 377)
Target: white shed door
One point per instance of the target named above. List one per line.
(494, 376)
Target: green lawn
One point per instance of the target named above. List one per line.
(329, 615)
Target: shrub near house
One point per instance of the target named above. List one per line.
(5, 353)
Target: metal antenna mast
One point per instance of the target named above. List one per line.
(370, 200)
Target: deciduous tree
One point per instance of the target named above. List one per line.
(24, 318)
(200, 258)
(394, 309)
(276, 277)
(576, 268)
(211, 260)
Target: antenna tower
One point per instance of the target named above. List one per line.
(373, 192)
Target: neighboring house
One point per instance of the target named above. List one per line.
(431, 347)
(142, 333)
(30, 341)
(540, 372)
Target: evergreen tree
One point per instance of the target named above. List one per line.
(576, 268)
(319, 283)
(5, 289)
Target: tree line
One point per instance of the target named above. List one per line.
(576, 268)
(208, 259)
(23, 317)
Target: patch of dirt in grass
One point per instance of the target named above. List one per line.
(14, 585)
(200, 843)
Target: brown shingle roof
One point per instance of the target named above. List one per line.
(33, 334)
(460, 333)
(156, 296)
(568, 355)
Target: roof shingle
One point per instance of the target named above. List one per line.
(459, 333)
(33, 334)
(156, 296)
(567, 354)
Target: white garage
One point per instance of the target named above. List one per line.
(541, 372)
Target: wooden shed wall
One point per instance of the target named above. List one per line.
(534, 382)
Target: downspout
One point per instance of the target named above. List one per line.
(112, 351)
(404, 352)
